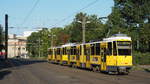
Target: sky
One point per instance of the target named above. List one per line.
(26, 15)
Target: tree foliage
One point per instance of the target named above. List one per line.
(94, 26)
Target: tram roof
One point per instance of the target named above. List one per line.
(116, 38)
(69, 44)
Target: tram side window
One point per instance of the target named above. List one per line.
(71, 51)
(92, 49)
(60, 51)
(97, 48)
(80, 50)
(50, 52)
(109, 50)
(57, 52)
(64, 51)
(68, 51)
(114, 48)
(74, 50)
(77, 51)
(85, 50)
(53, 51)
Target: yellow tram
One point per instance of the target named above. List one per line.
(113, 54)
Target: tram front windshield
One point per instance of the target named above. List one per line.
(124, 47)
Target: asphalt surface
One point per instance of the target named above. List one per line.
(42, 72)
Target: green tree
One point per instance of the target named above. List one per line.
(32, 44)
(133, 12)
(44, 41)
(94, 29)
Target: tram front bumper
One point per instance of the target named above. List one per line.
(118, 68)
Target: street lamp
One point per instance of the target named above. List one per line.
(83, 22)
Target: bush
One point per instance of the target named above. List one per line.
(141, 58)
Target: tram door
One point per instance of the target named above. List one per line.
(61, 53)
(103, 58)
(54, 55)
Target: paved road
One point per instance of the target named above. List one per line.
(41, 72)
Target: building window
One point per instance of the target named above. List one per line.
(24, 48)
(18, 48)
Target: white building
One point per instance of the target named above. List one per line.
(17, 46)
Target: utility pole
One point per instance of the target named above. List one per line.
(52, 40)
(83, 29)
(6, 36)
(138, 42)
(83, 37)
(83, 22)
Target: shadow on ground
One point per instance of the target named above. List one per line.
(21, 62)
(147, 70)
(18, 62)
(4, 73)
(4, 64)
